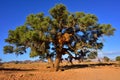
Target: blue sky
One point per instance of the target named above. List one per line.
(13, 13)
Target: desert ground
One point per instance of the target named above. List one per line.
(39, 71)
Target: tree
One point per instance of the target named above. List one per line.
(62, 32)
(92, 55)
(106, 59)
(117, 58)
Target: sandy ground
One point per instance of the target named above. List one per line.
(38, 71)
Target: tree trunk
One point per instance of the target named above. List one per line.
(57, 61)
(50, 62)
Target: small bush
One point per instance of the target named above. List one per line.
(118, 58)
(0, 62)
(106, 59)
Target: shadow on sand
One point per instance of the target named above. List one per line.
(76, 66)
(15, 69)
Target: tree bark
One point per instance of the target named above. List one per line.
(57, 61)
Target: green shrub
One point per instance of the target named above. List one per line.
(118, 58)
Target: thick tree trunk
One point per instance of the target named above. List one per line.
(57, 61)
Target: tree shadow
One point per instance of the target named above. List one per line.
(76, 66)
(15, 69)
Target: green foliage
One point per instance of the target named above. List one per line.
(92, 55)
(33, 53)
(107, 29)
(117, 58)
(39, 31)
(87, 20)
(8, 49)
(59, 12)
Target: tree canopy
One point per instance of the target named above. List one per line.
(61, 31)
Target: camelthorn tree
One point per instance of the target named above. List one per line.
(66, 31)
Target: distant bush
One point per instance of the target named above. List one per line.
(118, 58)
(0, 60)
(17, 62)
(92, 55)
(106, 59)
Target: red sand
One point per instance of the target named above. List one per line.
(88, 73)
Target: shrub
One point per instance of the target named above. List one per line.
(0, 62)
(106, 59)
(118, 58)
(92, 55)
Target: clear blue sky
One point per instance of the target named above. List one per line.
(13, 13)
